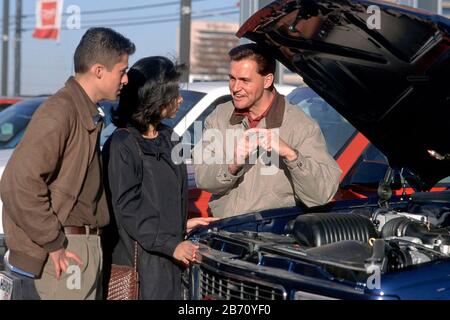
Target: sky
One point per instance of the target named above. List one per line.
(46, 64)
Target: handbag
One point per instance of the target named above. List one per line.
(124, 281)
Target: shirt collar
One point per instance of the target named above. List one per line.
(87, 109)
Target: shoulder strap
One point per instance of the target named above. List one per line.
(135, 253)
(139, 150)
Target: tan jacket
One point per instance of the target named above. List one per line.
(312, 179)
(44, 176)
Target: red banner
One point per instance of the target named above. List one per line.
(48, 19)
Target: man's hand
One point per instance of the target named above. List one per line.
(245, 146)
(271, 141)
(185, 252)
(194, 222)
(60, 259)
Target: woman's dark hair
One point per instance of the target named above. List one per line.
(153, 85)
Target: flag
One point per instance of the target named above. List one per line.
(48, 19)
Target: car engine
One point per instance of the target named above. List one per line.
(389, 239)
(347, 245)
(384, 238)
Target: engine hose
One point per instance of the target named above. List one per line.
(404, 227)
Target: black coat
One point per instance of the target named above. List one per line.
(148, 195)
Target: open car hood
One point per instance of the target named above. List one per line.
(391, 83)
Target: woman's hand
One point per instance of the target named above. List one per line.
(194, 222)
(185, 252)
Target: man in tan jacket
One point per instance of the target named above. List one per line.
(300, 169)
(53, 200)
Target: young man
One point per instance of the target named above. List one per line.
(53, 200)
(304, 171)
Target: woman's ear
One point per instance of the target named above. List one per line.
(268, 80)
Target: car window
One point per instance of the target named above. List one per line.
(106, 133)
(445, 181)
(190, 99)
(107, 107)
(13, 122)
(335, 128)
(3, 106)
(371, 153)
(203, 117)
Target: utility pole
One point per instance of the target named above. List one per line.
(185, 36)
(5, 41)
(18, 48)
(247, 8)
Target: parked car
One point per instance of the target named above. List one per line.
(7, 101)
(391, 84)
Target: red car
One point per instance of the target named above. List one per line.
(7, 101)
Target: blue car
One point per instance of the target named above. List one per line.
(386, 69)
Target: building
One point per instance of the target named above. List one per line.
(438, 6)
(283, 75)
(210, 43)
(446, 8)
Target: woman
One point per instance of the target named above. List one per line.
(147, 190)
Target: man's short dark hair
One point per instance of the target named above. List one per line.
(101, 45)
(265, 61)
(153, 85)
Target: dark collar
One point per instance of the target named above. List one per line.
(274, 117)
(84, 105)
(161, 144)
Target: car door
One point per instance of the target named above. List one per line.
(198, 199)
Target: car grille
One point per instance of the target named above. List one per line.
(219, 286)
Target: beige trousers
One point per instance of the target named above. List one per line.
(79, 282)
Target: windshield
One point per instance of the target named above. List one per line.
(14, 120)
(190, 99)
(107, 107)
(335, 128)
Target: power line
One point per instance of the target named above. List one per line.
(159, 21)
(196, 15)
(175, 14)
(31, 23)
(122, 9)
